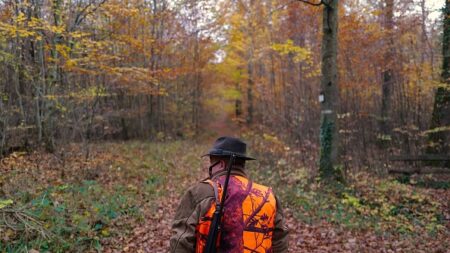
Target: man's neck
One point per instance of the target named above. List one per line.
(236, 170)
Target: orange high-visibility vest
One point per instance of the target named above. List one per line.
(248, 218)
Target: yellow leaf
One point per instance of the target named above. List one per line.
(5, 203)
(57, 29)
(105, 232)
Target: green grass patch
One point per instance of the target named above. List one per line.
(70, 217)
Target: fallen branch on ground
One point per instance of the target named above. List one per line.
(20, 221)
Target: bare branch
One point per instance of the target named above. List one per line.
(282, 6)
(315, 4)
(311, 3)
(22, 222)
(84, 13)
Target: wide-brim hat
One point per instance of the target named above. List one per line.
(227, 146)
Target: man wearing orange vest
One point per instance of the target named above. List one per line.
(252, 218)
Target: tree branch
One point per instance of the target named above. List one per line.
(84, 13)
(310, 3)
(315, 4)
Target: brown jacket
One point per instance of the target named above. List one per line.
(196, 202)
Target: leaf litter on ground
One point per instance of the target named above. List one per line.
(123, 196)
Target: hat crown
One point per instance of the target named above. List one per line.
(230, 144)
(226, 146)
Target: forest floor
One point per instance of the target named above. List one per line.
(121, 197)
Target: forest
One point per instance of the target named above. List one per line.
(106, 107)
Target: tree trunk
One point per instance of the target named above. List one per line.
(388, 79)
(250, 92)
(329, 89)
(197, 82)
(238, 103)
(250, 66)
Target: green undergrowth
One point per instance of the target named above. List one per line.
(387, 207)
(98, 199)
(65, 218)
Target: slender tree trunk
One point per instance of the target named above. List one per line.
(161, 114)
(250, 67)
(17, 52)
(388, 79)
(38, 90)
(250, 83)
(197, 81)
(152, 113)
(329, 141)
(288, 94)
(3, 127)
(238, 101)
(250, 93)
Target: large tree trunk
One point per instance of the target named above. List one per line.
(329, 89)
(440, 139)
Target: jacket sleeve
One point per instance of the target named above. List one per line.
(280, 238)
(193, 205)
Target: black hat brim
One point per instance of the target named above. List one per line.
(220, 152)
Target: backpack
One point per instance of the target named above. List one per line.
(248, 217)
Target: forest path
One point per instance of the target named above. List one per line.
(223, 121)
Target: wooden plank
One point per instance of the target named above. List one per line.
(425, 170)
(428, 157)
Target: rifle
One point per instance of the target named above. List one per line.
(215, 227)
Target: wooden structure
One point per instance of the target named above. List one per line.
(420, 159)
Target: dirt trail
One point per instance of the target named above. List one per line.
(223, 125)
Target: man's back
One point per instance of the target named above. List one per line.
(249, 216)
(252, 219)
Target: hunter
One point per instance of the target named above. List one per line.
(252, 219)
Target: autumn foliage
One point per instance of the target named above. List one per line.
(112, 69)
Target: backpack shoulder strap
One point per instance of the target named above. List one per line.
(215, 188)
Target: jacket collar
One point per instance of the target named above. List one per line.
(237, 171)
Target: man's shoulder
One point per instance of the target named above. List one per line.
(255, 184)
(261, 186)
(199, 191)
